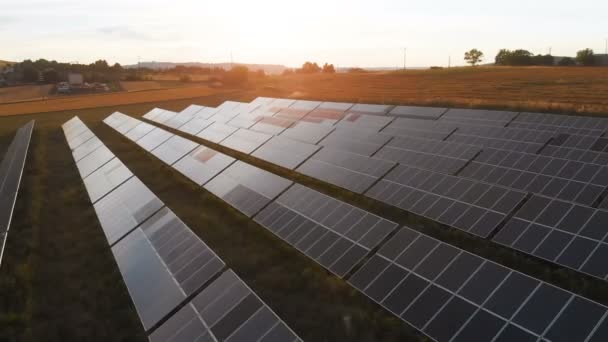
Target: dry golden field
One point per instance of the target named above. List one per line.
(21, 93)
(543, 89)
(104, 100)
(571, 89)
(140, 85)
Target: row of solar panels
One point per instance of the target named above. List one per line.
(181, 289)
(446, 292)
(11, 169)
(471, 188)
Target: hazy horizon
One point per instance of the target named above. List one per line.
(347, 34)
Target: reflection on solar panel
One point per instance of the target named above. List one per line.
(362, 142)
(163, 264)
(347, 170)
(246, 187)
(244, 140)
(362, 121)
(375, 109)
(174, 149)
(452, 295)
(428, 113)
(11, 169)
(285, 152)
(227, 310)
(335, 234)
(216, 132)
(202, 164)
(307, 132)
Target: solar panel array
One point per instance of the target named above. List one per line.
(11, 169)
(446, 292)
(452, 295)
(181, 289)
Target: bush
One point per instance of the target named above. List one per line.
(566, 61)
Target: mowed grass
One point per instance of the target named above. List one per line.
(59, 280)
(547, 89)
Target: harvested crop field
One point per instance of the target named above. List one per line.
(575, 89)
(23, 93)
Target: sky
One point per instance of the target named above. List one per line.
(346, 33)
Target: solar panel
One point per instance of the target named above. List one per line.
(80, 139)
(244, 120)
(154, 113)
(227, 310)
(125, 208)
(333, 233)
(361, 142)
(195, 125)
(245, 141)
(86, 148)
(285, 152)
(164, 264)
(363, 121)
(114, 120)
(163, 116)
(128, 124)
(184, 116)
(139, 131)
(426, 113)
(553, 177)
(174, 149)
(328, 113)
(202, 164)
(246, 187)
(480, 116)
(262, 101)
(307, 132)
(272, 126)
(152, 267)
(347, 170)
(94, 161)
(216, 132)
(11, 170)
(153, 139)
(452, 295)
(374, 109)
(561, 232)
(207, 112)
(106, 179)
(470, 206)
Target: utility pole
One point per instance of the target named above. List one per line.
(404, 58)
(606, 50)
(230, 59)
(449, 61)
(550, 48)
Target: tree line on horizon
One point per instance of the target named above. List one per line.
(521, 57)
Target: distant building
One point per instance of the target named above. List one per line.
(75, 78)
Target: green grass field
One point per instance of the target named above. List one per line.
(59, 281)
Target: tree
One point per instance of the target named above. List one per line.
(50, 75)
(328, 68)
(473, 57)
(310, 68)
(585, 57)
(566, 61)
